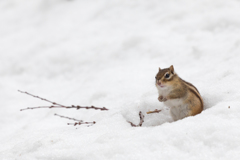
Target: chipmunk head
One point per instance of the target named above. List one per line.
(164, 77)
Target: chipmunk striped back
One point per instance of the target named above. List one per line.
(194, 90)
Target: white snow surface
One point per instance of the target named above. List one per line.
(107, 53)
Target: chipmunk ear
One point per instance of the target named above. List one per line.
(159, 69)
(171, 69)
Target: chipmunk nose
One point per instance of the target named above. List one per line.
(159, 82)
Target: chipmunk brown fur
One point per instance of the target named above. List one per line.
(181, 97)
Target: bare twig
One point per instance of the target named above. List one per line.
(155, 111)
(141, 116)
(79, 123)
(41, 107)
(57, 105)
(54, 103)
(76, 123)
(68, 118)
(67, 107)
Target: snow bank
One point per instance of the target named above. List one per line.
(107, 53)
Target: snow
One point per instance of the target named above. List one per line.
(107, 53)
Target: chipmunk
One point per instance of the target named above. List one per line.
(181, 97)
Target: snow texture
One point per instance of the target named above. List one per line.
(107, 53)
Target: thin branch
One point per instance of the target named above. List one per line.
(54, 103)
(40, 107)
(67, 107)
(57, 105)
(68, 118)
(79, 123)
(141, 116)
(155, 111)
(76, 123)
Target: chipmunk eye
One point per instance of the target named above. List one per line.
(167, 75)
(155, 77)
